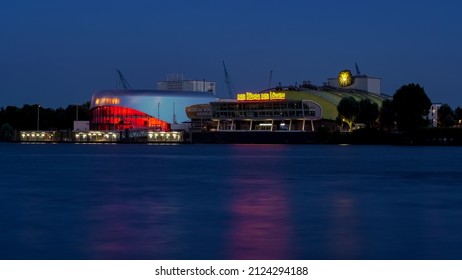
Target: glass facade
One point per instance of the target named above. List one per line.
(120, 118)
(266, 110)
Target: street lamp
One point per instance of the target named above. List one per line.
(38, 116)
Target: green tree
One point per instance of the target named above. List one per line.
(410, 104)
(348, 110)
(368, 112)
(446, 116)
(387, 116)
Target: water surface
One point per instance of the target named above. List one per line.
(116, 201)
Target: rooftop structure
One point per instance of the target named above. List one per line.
(176, 82)
(360, 83)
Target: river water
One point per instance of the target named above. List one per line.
(139, 201)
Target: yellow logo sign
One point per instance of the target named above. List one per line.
(265, 96)
(345, 78)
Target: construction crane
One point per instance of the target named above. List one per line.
(121, 81)
(358, 73)
(270, 79)
(228, 82)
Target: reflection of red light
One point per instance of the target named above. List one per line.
(261, 225)
(260, 229)
(120, 118)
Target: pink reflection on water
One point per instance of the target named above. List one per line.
(260, 221)
(129, 229)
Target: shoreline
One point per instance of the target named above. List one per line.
(424, 137)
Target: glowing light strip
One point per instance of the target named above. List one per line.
(107, 100)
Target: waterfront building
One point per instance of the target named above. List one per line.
(158, 110)
(294, 108)
(287, 109)
(269, 111)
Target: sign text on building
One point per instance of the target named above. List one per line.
(264, 96)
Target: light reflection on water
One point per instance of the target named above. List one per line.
(260, 227)
(230, 202)
(343, 236)
(260, 212)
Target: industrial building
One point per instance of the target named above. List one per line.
(176, 82)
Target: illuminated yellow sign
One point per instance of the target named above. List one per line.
(107, 101)
(265, 96)
(278, 95)
(345, 78)
(252, 96)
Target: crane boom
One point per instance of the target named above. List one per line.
(121, 81)
(228, 81)
(358, 73)
(270, 79)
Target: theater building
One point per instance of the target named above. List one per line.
(267, 111)
(157, 110)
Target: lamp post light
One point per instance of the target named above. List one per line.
(38, 117)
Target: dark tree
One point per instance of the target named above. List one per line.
(25, 118)
(348, 110)
(458, 116)
(411, 104)
(387, 116)
(368, 112)
(6, 132)
(445, 116)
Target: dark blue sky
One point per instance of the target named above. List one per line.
(59, 52)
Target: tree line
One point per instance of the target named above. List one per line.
(14, 118)
(407, 111)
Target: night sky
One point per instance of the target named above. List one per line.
(56, 52)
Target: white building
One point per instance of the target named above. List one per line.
(433, 114)
(361, 82)
(177, 83)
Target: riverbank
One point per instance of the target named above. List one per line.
(450, 137)
(426, 137)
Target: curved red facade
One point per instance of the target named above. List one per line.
(120, 118)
